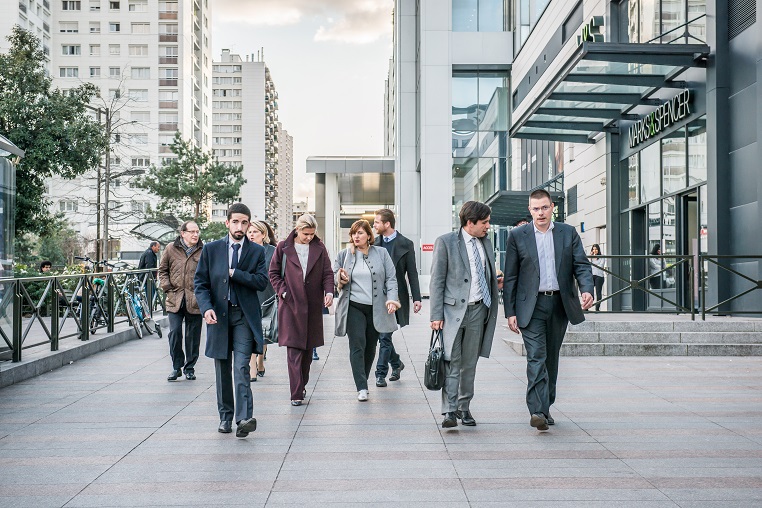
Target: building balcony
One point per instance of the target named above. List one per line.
(46, 4)
(168, 126)
(22, 7)
(167, 14)
(167, 37)
(168, 82)
(167, 104)
(168, 60)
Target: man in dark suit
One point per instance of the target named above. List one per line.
(542, 261)
(464, 292)
(402, 252)
(229, 274)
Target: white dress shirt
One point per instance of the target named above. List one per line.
(546, 253)
(232, 242)
(476, 292)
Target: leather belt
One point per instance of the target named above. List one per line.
(549, 293)
(232, 304)
(477, 302)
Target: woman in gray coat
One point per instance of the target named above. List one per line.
(261, 233)
(366, 277)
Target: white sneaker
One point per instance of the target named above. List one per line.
(362, 395)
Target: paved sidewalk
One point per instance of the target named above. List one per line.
(649, 432)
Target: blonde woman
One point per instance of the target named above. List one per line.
(303, 289)
(367, 279)
(260, 233)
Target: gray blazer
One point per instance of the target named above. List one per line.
(522, 272)
(384, 278)
(450, 286)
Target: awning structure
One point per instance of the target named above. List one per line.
(509, 207)
(601, 84)
(8, 148)
(163, 232)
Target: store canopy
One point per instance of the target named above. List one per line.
(603, 83)
(8, 148)
(163, 232)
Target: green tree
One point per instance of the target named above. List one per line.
(213, 231)
(50, 125)
(59, 243)
(185, 184)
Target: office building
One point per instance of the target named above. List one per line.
(32, 15)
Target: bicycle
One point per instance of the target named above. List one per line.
(97, 318)
(138, 311)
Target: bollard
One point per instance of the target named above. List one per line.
(17, 321)
(110, 302)
(54, 322)
(84, 311)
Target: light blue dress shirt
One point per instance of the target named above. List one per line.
(546, 252)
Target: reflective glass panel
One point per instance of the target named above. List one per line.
(673, 162)
(650, 173)
(491, 16)
(649, 19)
(464, 15)
(632, 179)
(672, 16)
(697, 151)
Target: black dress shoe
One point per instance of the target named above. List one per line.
(253, 379)
(174, 375)
(190, 376)
(550, 420)
(539, 421)
(225, 427)
(396, 372)
(380, 382)
(449, 421)
(466, 418)
(245, 426)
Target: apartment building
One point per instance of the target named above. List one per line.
(152, 62)
(245, 107)
(32, 15)
(285, 181)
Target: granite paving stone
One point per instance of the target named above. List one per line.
(631, 431)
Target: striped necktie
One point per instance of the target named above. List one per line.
(480, 278)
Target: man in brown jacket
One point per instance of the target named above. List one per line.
(176, 272)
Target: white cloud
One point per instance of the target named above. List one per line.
(350, 21)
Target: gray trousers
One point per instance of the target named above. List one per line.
(460, 371)
(235, 368)
(543, 337)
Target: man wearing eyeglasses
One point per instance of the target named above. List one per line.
(542, 261)
(176, 272)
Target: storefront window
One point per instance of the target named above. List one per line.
(633, 177)
(478, 15)
(673, 162)
(654, 228)
(697, 151)
(650, 173)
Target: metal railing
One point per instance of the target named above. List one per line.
(726, 268)
(685, 34)
(40, 310)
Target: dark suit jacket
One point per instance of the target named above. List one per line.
(522, 272)
(211, 290)
(404, 263)
(148, 260)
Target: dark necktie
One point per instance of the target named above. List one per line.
(234, 265)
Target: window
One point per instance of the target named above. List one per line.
(95, 50)
(140, 73)
(114, 72)
(140, 206)
(71, 5)
(67, 205)
(68, 27)
(138, 95)
(139, 139)
(114, 93)
(95, 5)
(95, 27)
(571, 200)
(697, 159)
(525, 16)
(113, 6)
(140, 116)
(141, 28)
(68, 72)
(141, 162)
(138, 50)
(95, 72)
(114, 50)
(138, 6)
(650, 173)
(71, 49)
(114, 27)
(673, 159)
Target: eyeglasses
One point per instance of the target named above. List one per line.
(192, 232)
(536, 209)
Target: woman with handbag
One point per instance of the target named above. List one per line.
(260, 232)
(300, 272)
(367, 279)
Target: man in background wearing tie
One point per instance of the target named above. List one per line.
(229, 274)
(463, 291)
(542, 259)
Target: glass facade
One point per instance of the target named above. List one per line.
(480, 146)
(662, 21)
(478, 16)
(526, 13)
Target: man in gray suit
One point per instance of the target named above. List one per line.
(464, 302)
(542, 260)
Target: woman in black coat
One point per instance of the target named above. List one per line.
(261, 233)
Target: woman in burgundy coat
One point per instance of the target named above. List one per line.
(305, 288)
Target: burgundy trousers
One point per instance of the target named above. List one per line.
(299, 361)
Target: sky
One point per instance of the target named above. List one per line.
(328, 59)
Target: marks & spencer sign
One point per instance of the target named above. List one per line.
(665, 115)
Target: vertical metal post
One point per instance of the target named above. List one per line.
(17, 328)
(692, 288)
(55, 308)
(702, 280)
(107, 184)
(110, 301)
(98, 210)
(84, 310)
(149, 292)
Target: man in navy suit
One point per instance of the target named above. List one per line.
(229, 274)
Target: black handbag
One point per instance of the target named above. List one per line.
(269, 310)
(434, 372)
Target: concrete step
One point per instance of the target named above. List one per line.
(681, 324)
(576, 337)
(648, 349)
